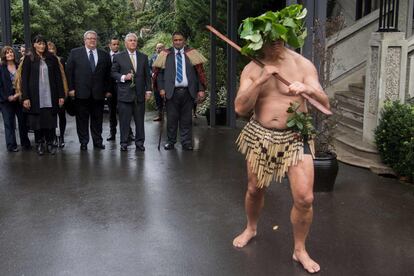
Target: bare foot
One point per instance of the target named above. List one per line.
(242, 239)
(308, 264)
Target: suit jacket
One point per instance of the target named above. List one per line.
(6, 85)
(166, 77)
(30, 82)
(122, 65)
(81, 78)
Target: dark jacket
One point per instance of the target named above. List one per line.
(122, 65)
(81, 78)
(6, 85)
(30, 82)
(166, 77)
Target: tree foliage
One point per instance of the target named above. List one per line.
(65, 21)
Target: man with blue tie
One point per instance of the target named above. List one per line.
(89, 79)
(181, 80)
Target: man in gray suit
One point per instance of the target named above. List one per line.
(181, 79)
(131, 71)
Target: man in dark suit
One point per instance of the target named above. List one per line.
(113, 46)
(131, 71)
(88, 73)
(181, 79)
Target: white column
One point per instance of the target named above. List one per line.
(385, 76)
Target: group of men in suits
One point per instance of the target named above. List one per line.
(94, 75)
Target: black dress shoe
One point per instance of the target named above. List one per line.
(51, 149)
(84, 147)
(124, 148)
(140, 148)
(13, 150)
(169, 146)
(40, 148)
(27, 147)
(111, 138)
(187, 147)
(99, 146)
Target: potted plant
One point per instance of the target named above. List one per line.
(320, 127)
(325, 162)
(221, 106)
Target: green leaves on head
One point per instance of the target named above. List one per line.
(286, 24)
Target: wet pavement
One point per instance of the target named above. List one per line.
(106, 212)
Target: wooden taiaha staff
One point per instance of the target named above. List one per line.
(312, 101)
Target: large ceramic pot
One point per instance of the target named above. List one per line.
(221, 116)
(326, 170)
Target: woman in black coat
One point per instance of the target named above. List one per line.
(42, 93)
(9, 102)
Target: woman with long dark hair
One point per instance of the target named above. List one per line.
(9, 102)
(42, 93)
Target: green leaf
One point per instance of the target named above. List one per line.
(293, 40)
(254, 37)
(291, 123)
(256, 46)
(302, 15)
(289, 22)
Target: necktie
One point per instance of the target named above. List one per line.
(91, 60)
(179, 67)
(131, 56)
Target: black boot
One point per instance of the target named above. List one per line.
(51, 149)
(40, 147)
(61, 141)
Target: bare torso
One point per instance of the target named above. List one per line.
(274, 99)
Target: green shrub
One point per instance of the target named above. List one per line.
(149, 47)
(394, 137)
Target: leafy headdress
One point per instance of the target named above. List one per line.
(287, 25)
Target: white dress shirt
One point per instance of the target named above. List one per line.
(132, 55)
(95, 54)
(111, 53)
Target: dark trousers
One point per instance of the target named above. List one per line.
(62, 121)
(93, 109)
(11, 110)
(45, 135)
(126, 111)
(159, 101)
(112, 105)
(179, 109)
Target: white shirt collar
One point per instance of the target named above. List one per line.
(87, 50)
(178, 51)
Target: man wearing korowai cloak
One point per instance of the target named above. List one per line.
(278, 138)
(179, 75)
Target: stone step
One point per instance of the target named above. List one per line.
(352, 142)
(357, 87)
(351, 99)
(350, 114)
(352, 150)
(347, 127)
(352, 159)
